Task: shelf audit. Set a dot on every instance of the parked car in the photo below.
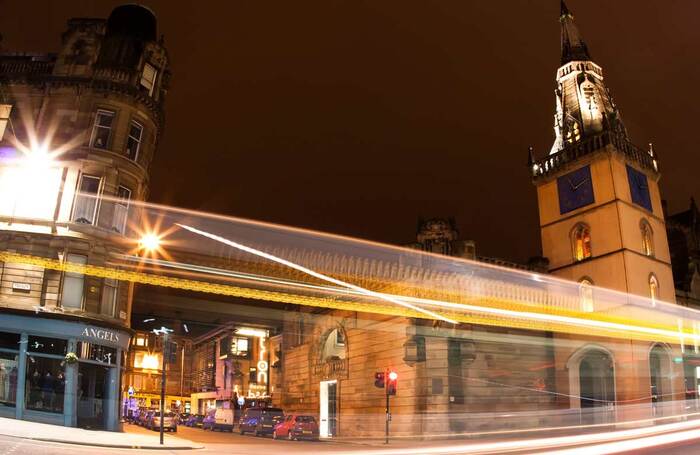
(296, 426)
(259, 421)
(195, 420)
(208, 421)
(169, 421)
(144, 416)
(182, 418)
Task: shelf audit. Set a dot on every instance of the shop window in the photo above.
(9, 341)
(9, 362)
(108, 304)
(121, 209)
(43, 345)
(581, 240)
(102, 129)
(97, 353)
(133, 142)
(46, 382)
(86, 200)
(148, 77)
(73, 284)
(647, 238)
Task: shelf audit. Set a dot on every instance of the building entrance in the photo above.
(597, 386)
(92, 396)
(329, 409)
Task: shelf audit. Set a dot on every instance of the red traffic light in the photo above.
(393, 375)
(379, 380)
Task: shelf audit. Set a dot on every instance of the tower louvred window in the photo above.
(581, 238)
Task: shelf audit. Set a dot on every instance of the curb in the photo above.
(110, 446)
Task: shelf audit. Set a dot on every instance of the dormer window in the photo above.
(148, 77)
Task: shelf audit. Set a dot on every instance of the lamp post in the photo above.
(164, 332)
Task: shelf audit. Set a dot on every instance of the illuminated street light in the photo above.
(149, 242)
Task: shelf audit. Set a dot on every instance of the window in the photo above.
(581, 236)
(85, 208)
(141, 340)
(46, 382)
(108, 305)
(148, 77)
(653, 289)
(9, 362)
(102, 130)
(647, 238)
(133, 142)
(586, 294)
(73, 284)
(239, 347)
(121, 209)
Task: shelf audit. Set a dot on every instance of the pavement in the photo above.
(58, 434)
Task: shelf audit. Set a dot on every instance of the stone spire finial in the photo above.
(572, 45)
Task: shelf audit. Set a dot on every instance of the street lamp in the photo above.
(149, 242)
(164, 331)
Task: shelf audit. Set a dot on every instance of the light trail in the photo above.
(569, 320)
(313, 273)
(517, 319)
(595, 443)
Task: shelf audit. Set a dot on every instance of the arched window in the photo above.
(586, 294)
(647, 238)
(653, 288)
(581, 240)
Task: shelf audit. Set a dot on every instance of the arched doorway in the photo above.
(660, 373)
(592, 384)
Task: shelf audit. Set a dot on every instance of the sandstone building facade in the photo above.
(79, 130)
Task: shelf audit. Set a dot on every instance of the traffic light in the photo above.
(379, 379)
(392, 379)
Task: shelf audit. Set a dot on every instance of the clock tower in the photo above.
(600, 210)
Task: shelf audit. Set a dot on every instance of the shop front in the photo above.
(60, 371)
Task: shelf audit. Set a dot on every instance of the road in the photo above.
(234, 444)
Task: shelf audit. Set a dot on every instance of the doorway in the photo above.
(328, 427)
(597, 387)
(92, 396)
(660, 372)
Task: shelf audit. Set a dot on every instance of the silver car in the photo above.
(169, 421)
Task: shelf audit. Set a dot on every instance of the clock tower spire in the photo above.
(602, 224)
(600, 210)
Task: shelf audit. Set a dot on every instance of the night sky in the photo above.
(357, 117)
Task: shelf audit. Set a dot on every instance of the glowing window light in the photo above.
(251, 332)
(147, 361)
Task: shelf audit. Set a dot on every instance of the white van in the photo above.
(223, 420)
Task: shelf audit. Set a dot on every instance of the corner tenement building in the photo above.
(78, 131)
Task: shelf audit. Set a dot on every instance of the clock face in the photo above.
(575, 190)
(639, 187)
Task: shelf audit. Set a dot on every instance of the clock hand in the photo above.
(582, 182)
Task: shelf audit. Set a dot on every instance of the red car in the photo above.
(296, 426)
